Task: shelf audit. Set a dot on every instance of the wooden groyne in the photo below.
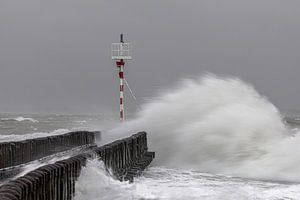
(125, 158)
(292, 121)
(20, 152)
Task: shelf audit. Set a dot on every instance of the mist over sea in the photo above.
(214, 138)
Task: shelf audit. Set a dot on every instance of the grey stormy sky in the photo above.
(55, 55)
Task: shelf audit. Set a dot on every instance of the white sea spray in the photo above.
(217, 125)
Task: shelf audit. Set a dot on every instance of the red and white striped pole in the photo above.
(120, 65)
(120, 52)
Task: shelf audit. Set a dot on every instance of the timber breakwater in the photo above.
(124, 159)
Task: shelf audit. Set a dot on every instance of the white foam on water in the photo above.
(94, 183)
(217, 125)
(39, 163)
(20, 119)
(163, 183)
(15, 137)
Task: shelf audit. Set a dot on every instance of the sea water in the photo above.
(214, 138)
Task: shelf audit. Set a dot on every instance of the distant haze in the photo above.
(55, 55)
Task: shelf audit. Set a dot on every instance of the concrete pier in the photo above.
(125, 158)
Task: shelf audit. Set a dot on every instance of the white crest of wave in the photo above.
(38, 163)
(94, 183)
(20, 119)
(218, 125)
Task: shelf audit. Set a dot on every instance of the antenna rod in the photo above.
(121, 38)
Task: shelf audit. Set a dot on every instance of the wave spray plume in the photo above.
(218, 125)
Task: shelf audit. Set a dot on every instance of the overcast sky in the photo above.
(55, 55)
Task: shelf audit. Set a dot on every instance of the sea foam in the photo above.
(217, 125)
(20, 119)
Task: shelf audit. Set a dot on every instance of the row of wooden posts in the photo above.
(20, 152)
(125, 158)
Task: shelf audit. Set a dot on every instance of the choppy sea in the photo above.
(215, 138)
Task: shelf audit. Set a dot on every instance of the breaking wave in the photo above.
(218, 125)
(103, 186)
(20, 119)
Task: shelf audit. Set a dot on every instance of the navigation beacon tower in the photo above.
(120, 52)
